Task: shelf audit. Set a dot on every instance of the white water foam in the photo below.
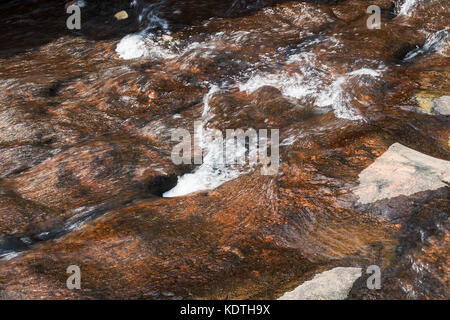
(337, 97)
(149, 45)
(334, 284)
(312, 82)
(297, 85)
(150, 15)
(209, 175)
(139, 46)
(438, 42)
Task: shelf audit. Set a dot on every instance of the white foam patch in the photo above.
(406, 8)
(336, 97)
(132, 47)
(366, 72)
(401, 171)
(334, 284)
(312, 82)
(10, 255)
(149, 45)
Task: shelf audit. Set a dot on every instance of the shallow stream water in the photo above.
(86, 124)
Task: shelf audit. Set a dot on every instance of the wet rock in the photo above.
(334, 284)
(179, 245)
(425, 100)
(419, 268)
(131, 47)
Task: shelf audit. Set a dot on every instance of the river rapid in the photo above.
(86, 124)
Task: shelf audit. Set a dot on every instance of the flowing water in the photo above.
(87, 117)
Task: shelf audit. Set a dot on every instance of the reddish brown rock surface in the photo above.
(85, 143)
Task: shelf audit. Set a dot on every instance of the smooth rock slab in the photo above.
(334, 284)
(401, 171)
